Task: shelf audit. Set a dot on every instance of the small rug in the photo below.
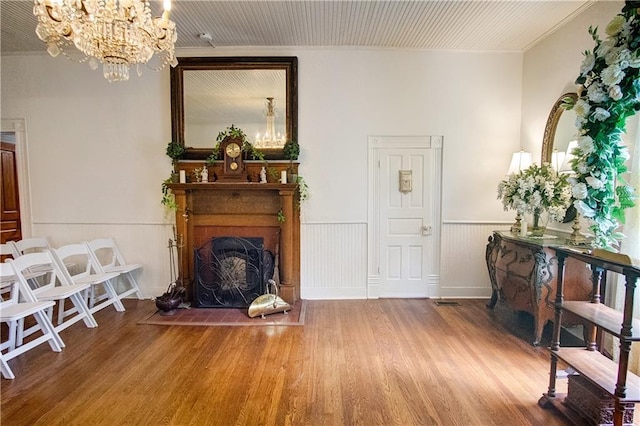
(225, 317)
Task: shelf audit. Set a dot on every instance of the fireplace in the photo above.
(244, 210)
(230, 272)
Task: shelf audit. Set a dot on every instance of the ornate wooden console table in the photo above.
(524, 271)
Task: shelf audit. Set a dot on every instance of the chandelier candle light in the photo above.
(117, 33)
(270, 139)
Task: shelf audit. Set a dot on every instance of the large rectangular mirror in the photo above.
(256, 94)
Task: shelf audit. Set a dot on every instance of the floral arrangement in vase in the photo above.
(538, 190)
(609, 94)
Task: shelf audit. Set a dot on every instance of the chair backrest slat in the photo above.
(31, 245)
(38, 261)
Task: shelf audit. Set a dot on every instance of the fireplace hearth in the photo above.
(230, 272)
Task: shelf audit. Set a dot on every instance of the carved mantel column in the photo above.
(286, 244)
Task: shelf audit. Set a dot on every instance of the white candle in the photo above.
(183, 176)
(523, 228)
(283, 176)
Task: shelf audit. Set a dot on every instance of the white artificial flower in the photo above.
(612, 75)
(626, 29)
(596, 93)
(587, 64)
(580, 121)
(536, 199)
(594, 182)
(605, 47)
(601, 114)
(634, 60)
(624, 153)
(615, 92)
(583, 209)
(582, 108)
(611, 57)
(556, 213)
(581, 167)
(615, 26)
(586, 144)
(624, 57)
(579, 191)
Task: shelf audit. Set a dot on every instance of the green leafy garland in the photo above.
(609, 94)
(236, 133)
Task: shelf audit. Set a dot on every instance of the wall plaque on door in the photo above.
(405, 181)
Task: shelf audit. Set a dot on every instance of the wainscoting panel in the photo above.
(333, 262)
(139, 243)
(464, 269)
(333, 256)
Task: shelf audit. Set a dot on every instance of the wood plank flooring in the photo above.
(354, 362)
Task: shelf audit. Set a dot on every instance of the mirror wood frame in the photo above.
(185, 64)
(552, 125)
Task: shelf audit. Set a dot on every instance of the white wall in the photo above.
(96, 150)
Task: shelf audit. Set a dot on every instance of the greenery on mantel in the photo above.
(291, 151)
(609, 94)
(251, 152)
(175, 151)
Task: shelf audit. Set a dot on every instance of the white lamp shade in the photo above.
(565, 167)
(520, 161)
(557, 160)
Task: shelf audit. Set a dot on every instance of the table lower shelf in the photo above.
(600, 370)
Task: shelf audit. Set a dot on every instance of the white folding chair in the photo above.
(31, 245)
(85, 270)
(7, 251)
(108, 258)
(12, 310)
(48, 290)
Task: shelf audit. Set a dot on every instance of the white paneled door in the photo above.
(404, 220)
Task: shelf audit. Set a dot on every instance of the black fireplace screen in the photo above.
(229, 272)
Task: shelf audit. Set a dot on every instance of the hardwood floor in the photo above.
(354, 362)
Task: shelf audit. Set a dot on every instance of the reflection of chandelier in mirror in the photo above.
(270, 139)
(117, 33)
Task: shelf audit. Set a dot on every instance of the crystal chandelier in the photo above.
(117, 33)
(270, 139)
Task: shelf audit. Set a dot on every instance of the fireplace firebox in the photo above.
(230, 272)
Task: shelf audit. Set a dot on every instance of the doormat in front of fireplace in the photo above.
(225, 317)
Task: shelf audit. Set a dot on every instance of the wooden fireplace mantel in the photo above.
(240, 209)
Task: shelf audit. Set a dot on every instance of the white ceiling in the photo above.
(487, 25)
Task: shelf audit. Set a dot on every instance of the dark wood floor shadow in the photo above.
(522, 325)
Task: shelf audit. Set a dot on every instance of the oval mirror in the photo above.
(560, 129)
(255, 94)
(558, 132)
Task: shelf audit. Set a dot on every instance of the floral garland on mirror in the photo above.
(609, 94)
